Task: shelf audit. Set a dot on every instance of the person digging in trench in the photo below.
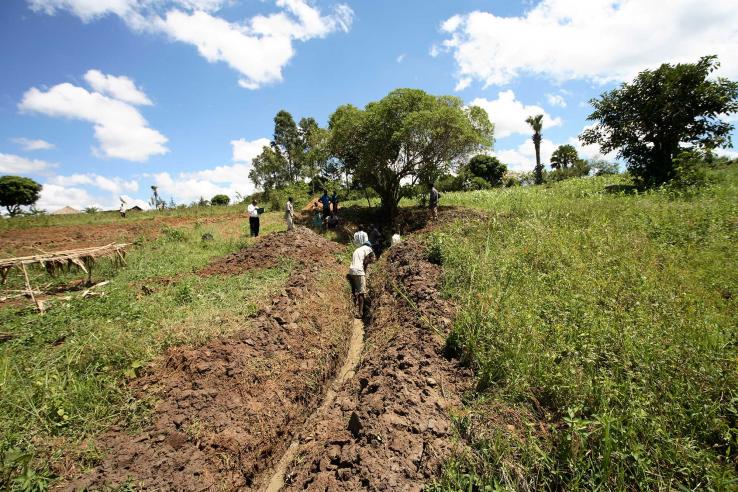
(360, 260)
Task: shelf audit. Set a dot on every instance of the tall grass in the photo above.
(63, 375)
(603, 329)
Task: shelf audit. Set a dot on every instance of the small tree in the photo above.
(407, 137)
(488, 168)
(536, 123)
(564, 156)
(91, 210)
(661, 113)
(202, 202)
(16, 192)
(220, 200)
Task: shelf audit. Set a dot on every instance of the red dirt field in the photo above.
(34, 240)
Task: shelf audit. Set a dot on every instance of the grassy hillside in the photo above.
(603, 327)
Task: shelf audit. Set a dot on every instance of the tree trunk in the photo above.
(539, 168)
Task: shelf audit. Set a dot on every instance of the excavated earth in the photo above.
(390, 426)
(225, 412)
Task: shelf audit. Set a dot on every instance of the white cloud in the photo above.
(121, 87)
(190, 186)
(509, 114)
(523, 157)
(245, 150)
(401, 58)
(53, 197)
(729, 153)
(15, 164)
(258, 48)
(29, 145)
(113, 185)
(556, 100)
(598, 40)
(434, 51)
(120, 128)
(590, 151)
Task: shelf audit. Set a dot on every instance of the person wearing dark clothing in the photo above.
(326, 201)
(253, 219)
(334, 201)
(375, 237)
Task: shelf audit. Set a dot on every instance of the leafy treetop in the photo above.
(17, 191)
(661, 113)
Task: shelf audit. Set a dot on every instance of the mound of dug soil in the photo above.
(227, 411)
(389, 428)
(300, 245)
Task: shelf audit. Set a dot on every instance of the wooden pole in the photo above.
(29, 289)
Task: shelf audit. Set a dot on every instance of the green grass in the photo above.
(63, 375)
(602, 328)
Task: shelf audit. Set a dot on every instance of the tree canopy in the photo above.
(407, 137)
(661, 113)
(564, 156)
(16, 192)
(220, 199)
(488, 168)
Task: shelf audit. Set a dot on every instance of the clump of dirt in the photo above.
(227, 411)
(300, 245)
(390, 428)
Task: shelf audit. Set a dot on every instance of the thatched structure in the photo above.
(83, 259)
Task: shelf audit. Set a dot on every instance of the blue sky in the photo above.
(103, 99)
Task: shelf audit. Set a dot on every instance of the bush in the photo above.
(220, 200)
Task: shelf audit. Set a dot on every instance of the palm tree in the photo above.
(536, 122)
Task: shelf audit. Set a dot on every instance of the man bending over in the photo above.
(363, 255)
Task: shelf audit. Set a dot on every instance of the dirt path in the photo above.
(347, 371)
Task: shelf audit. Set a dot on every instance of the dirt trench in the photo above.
(225, 412)
(389, 426)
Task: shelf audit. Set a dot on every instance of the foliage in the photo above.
(577, 169)
(16, 191)
(536, 123)
(601, 167)
(220, 200)
(488, 168)
(91, 210)
(156, 202)
(690, 174)
(564, 156)
(652, 119)
(407, 135)
(600, 365)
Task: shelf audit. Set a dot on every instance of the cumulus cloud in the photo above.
(597, 40)
(120, 128)
(121, 87)
(29, 144)
(113, 185)
(523, 157)
(245, 150)
(15, 164)
(53, 197)
(556, 100)
(509, 114)
(258, 48)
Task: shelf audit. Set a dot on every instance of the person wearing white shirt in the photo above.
(289, 214)
(362, 256)
(253, 218)
(360, 237)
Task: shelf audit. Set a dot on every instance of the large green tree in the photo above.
(661, 113)
(287, 143)
(314, 151)
(564, 156)
(536, 123)
(488, 168)
(268, 170)
(17, 192)
(407, 137)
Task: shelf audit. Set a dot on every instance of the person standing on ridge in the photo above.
(289, 214)
(253, 218)
(326, 201)
(360, 260)
(334, 201)
(433, 201)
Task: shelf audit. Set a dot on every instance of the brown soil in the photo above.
(301, 246)
(18, 242)
(226, 412)
(390, 427)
